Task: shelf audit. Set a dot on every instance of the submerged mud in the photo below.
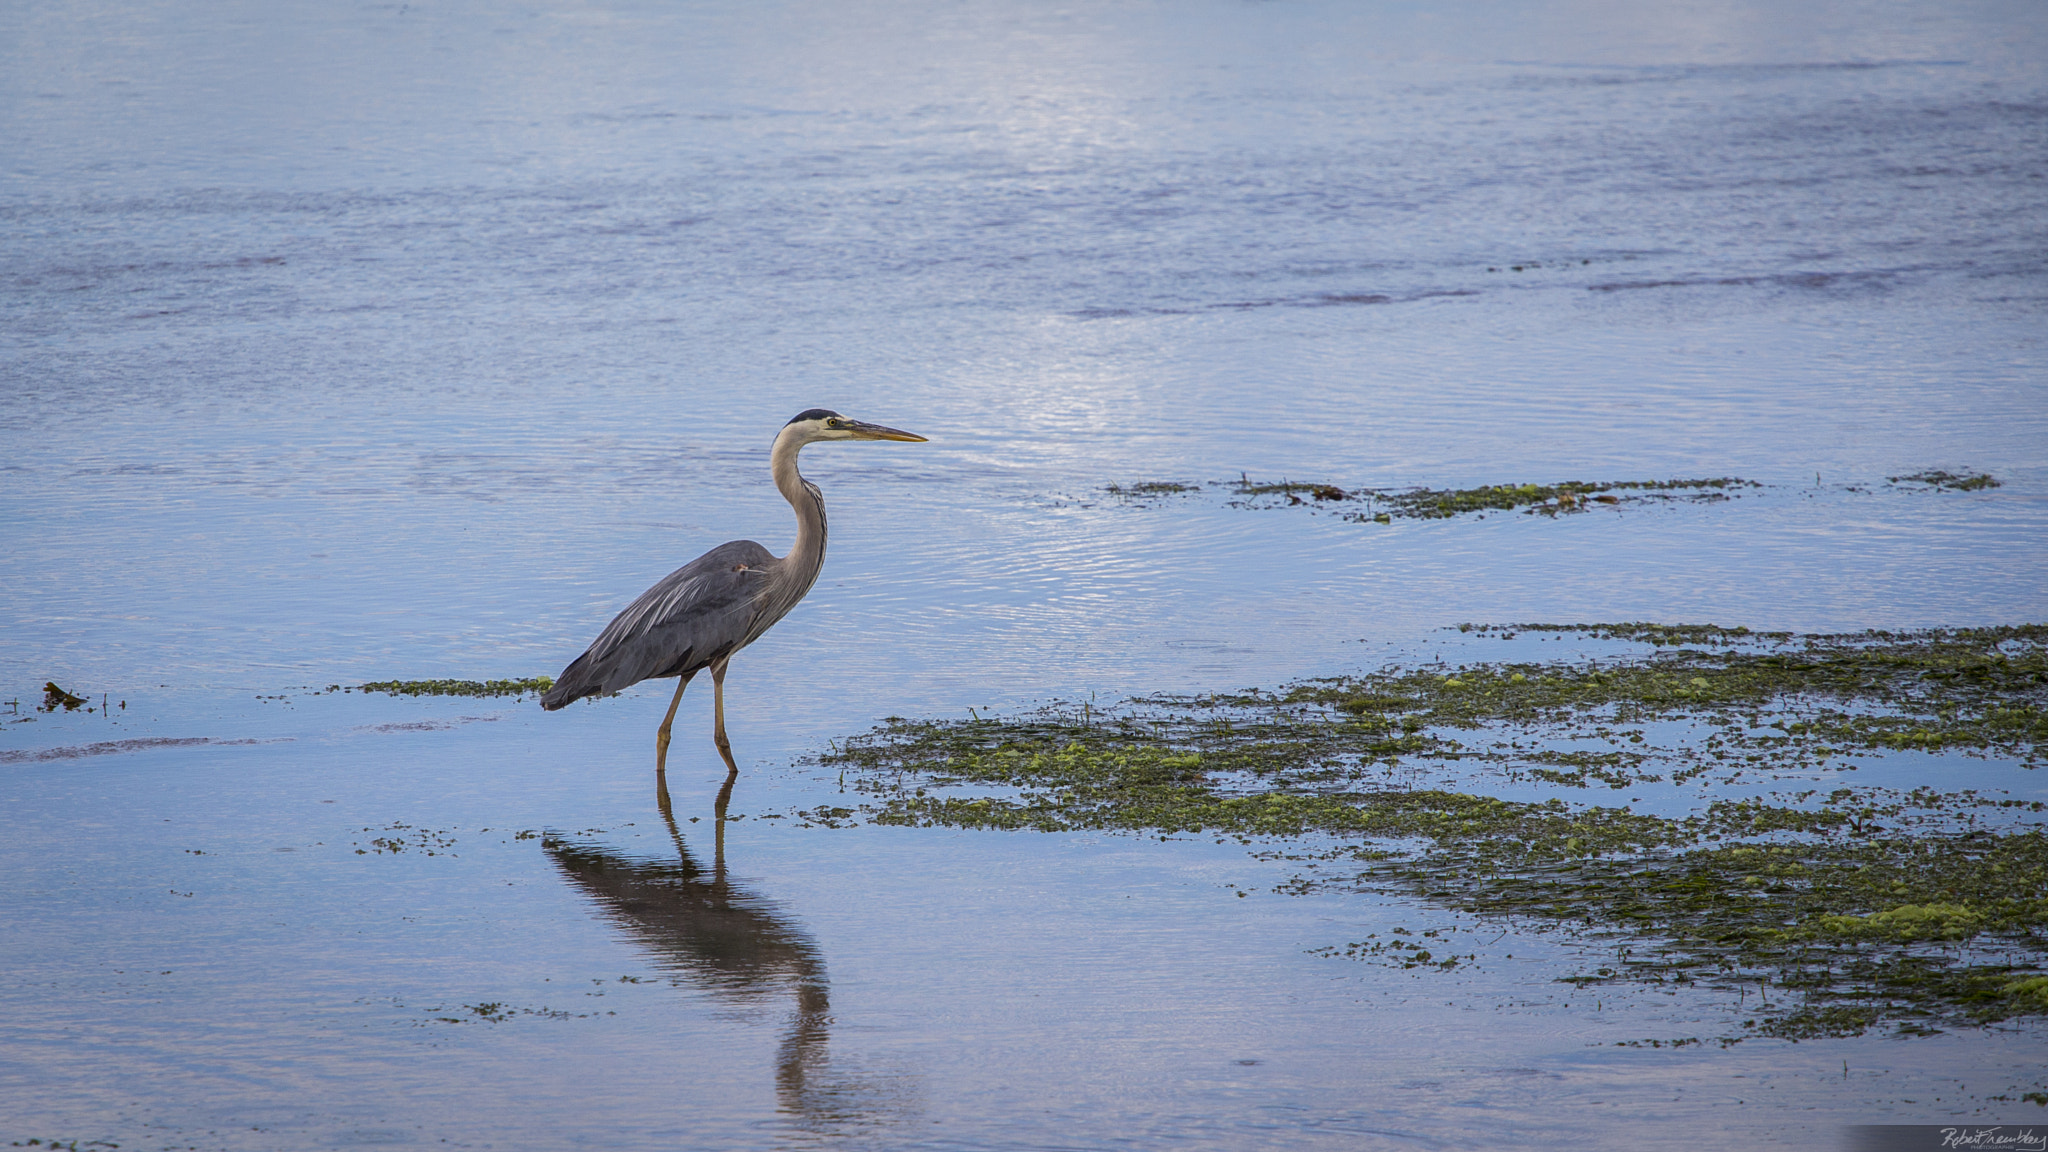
(1862, 906)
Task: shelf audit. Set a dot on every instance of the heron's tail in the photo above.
(575, 682)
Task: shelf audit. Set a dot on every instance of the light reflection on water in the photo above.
(398, 341)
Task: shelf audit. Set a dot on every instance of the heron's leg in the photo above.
(661, 737)
(718, 710)
(732, 768)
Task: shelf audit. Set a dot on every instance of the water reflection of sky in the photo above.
(402, 341)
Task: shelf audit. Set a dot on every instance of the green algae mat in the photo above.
(1565, 497)
(1484, 788)
(537, 685)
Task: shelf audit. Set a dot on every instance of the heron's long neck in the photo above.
(807, 555)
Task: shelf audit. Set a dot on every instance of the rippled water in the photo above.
(342, 343)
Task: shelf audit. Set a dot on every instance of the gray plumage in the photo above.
(698, 616)
(694, 617)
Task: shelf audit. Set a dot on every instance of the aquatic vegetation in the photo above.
(1811, 697)
(1570, 496)
(1913, 930)
(536, 685)
(1870, 905)
(1642, 632)
(1975, 482)
(1382, 506)
(399, 836)
(498, 1012)
(1548, 499)
(1148, 488)
(1295, 491)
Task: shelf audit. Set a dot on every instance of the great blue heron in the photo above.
(697, 616)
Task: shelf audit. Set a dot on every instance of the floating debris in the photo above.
(55, 698)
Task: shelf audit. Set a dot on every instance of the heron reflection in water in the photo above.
(712, 933)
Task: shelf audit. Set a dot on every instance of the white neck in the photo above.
(807, 555)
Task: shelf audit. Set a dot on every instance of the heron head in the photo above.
(825, 424)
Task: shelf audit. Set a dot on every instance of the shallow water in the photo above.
(412, 341)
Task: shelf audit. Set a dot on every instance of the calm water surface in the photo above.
(411, 340)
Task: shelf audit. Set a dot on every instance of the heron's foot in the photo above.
(732, 768)
(661, 752)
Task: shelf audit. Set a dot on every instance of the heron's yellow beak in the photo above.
(864, 431)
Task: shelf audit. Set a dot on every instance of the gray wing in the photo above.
(694, 616)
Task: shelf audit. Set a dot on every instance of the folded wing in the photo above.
(696, 615)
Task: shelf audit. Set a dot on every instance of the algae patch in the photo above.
(1871, 906)
(496, 1011)
(1949, 481)
(1914, 931)
(1383, 506)
(1144, 489)
(536, 685)
(1551, 499)
(1445, 503)
(1564, 497)
(399, 837)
